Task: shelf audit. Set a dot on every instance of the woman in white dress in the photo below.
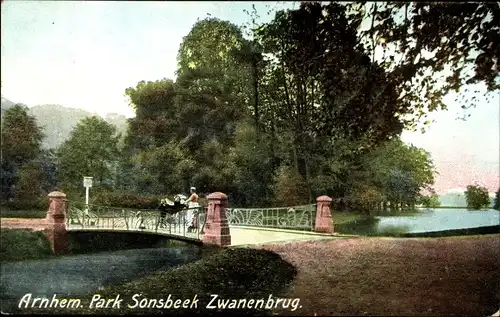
(192, 204)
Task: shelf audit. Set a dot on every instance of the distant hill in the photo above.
(119, 121)
(453, 200)
(58, 121)
(6, 104)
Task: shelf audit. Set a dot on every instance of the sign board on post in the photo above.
(87, 182)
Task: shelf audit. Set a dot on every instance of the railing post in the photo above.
(216, 229)
(324, 222)
(56, 230)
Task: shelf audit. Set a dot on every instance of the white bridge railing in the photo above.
(186, 222)
(298, 217)
(81, 216)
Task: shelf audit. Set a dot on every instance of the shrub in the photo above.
(126, 200)
(290, 188)
(40, 203)
(430, 201)
(477, 197)
(366, 199)
(22, 244)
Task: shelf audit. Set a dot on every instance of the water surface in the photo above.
(430, 220)
(78, 275)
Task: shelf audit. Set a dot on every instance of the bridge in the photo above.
(215, 224)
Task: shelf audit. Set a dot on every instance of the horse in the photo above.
(168, 207)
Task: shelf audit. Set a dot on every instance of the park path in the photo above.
(23, 223)
(455, 276)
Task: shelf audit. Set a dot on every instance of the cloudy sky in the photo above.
(84, 54)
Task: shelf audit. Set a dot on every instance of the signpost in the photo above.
(87, 183)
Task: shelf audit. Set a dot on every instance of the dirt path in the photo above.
(458, 276)
(23, 223)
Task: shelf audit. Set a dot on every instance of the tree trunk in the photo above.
(295, 158)
(255, 86)
(308, 178)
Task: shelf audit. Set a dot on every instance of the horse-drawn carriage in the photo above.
(171, 212)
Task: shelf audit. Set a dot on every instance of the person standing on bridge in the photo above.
(192, 203)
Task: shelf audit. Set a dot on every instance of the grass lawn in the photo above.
(345, 217)
(6, 212)
(18, 245)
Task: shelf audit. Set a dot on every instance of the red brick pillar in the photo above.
(324, 222)
(216, 229)
(56, 231)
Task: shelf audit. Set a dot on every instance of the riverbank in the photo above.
(22, 243)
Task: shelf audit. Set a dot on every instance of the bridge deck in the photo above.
(256, 235)
(239, 235)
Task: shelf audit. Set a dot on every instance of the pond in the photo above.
(430, 220)
(86, 273)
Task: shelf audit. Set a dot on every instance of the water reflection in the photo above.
(431, 220)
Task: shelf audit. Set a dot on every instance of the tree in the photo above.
(91, 150)
(213, 84)
(477, 197)
(21, 136)
(496, 204)
(213, 96)
(290, 187)
(29, 184)
(155, 111)
(319, 86)
(365, 198)
(47, 162)
(149, 132)
(431, 201)
(21, 144)
(214, 48)
(399, 172)
(431, 49)
(250, 164)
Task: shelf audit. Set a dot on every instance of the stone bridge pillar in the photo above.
(216, 229)
(56, 231)
(324, 222)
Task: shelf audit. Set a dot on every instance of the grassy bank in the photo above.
(25, 244)
(230, 273)
(445, 233)
(464, 207)
(20, 244)
(6, 212)
(91, 242)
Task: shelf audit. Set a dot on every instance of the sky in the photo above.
(84, 54)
